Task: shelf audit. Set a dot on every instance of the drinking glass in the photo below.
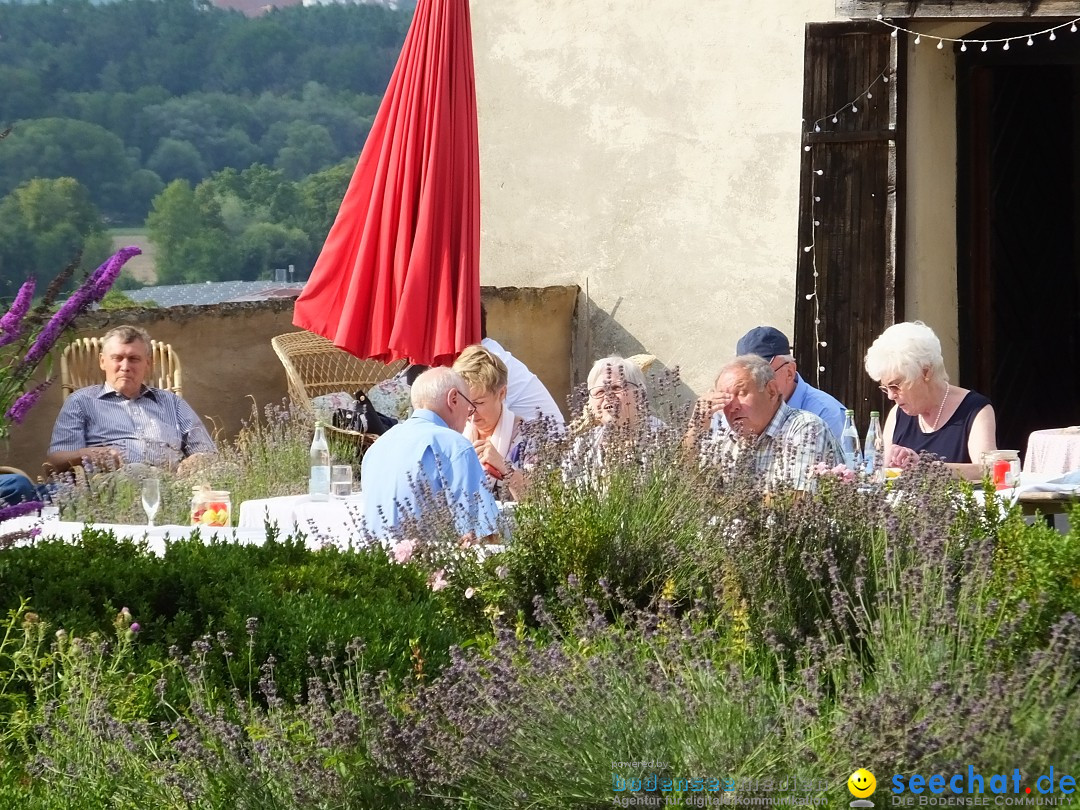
(151, 499)
(341, 480)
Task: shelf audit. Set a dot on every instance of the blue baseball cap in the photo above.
(764, 341)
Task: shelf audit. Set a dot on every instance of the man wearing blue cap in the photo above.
(772, 345)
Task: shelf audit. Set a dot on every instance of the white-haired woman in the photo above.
(930, 415)
(616, 415)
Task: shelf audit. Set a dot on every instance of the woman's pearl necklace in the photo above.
(941, 408)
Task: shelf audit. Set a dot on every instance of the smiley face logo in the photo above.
(861, 783)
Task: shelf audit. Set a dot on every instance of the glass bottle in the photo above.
(874, 449)
(319, 481)
(849, 443)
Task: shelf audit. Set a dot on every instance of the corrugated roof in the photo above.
(213, 292)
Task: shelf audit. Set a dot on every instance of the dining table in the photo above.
(1053, 452)
(335, 521)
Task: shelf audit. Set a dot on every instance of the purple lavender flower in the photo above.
(11, 323)
(102, 279)
(91, 291)
(19, 509)
(18, 410)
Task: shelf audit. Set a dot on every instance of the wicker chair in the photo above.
(314, 366)
(79, 366)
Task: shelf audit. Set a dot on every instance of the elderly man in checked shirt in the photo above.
(782, 444)
(124, 421)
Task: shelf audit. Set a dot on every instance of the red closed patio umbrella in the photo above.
(399, 273)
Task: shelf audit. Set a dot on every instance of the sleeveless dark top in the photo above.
(950, 441)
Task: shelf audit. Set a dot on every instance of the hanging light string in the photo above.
(1029, 39)
(833, 117)
(818, 342)
(853, 105)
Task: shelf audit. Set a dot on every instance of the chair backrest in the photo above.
(79, 366)
(314, 366)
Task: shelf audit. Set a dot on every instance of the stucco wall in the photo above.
(930, 289)
(647, 150)
(228, 362)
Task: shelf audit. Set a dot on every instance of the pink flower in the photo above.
(470, 593)
(135, 628)
(842, 472)
(403, 550)
(437, 581)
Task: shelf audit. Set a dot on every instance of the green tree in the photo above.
(44, 224)
(266, 245)
(192, 245)
(177, 160)
(320, 198)
(308, 148)
(62, 147)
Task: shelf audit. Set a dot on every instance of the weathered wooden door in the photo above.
(849, 281)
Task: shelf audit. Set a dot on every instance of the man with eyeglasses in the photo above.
(772, 345)
(424, 469)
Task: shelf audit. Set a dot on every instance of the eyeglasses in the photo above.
(472, 405)
(785, 363)
(892, 389)
(600, 391)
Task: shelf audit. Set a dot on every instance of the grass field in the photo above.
(141, 267)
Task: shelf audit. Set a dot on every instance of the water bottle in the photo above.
(849, 443)
(319, 482)
(874, 448)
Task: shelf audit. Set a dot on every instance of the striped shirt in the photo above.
(785, 451)
(156, 427)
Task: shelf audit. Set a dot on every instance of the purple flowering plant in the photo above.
(29, 333)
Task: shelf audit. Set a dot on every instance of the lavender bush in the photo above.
(28, 335)
(648, 609)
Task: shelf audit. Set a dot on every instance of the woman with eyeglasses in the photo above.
(494, 429)
(616, 418)
(930, 415)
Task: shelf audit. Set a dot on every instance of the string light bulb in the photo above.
(1073, 28)
(1030, 42)
(1005, 47)
(941, 44)
(918, 38)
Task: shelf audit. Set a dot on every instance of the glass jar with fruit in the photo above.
(210, 507)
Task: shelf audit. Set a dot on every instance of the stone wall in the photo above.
(229, 365)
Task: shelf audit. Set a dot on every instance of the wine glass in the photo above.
(151, 499)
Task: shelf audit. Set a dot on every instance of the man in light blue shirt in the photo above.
(424, 469)
(772, 345)
(125, 421)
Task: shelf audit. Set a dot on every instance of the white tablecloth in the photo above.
(1053, 452)
(336, 521)
(155, 536)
